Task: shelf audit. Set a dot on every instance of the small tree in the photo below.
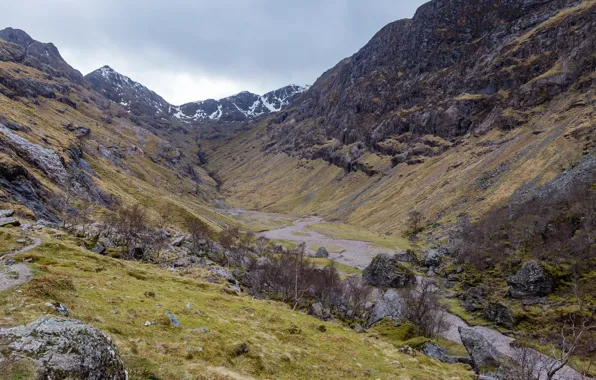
(415, 223)
(198, 230)
(229, 237)
(422, 307)
(262, 243)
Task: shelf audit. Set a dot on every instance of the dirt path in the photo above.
(13, 274)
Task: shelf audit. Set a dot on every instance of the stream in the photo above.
(360, 253)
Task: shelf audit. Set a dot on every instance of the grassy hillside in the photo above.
(472, 177)
(282, 344)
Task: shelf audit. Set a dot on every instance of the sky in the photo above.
(187, 50)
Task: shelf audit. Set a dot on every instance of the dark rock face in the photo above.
(322, 253)
(473, 298)
(530, 281)
(442, 73)
(44, 57)
(483, 353)
(406, 257)
(386, 271)
(61, 348)
(437, 352)
(500, 314)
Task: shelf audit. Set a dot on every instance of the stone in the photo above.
(178, 241)
(222, 273)
(359, 329)
(9, 222)
(241, 349)
(201, 330)
(385, 271)
(484, 355)
(500, 314)
(406, 257)
(99, 248)
(6, 213)
(233, 290)
(173, 320)
(62, 348)
(437, 352)
(387, 305)
(530, 281)
(316, 309)
(473, 298)
(149, 294)
(322, 253)
(432, 258)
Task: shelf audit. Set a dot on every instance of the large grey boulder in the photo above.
(322, 253)
(61, 348)
(6, 213)
(386, 271)
(432, 258)
(9, 222)
(484, 355)
(530, 281)
(388, 304)
(500, 314)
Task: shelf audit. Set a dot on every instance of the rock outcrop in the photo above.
(61, 348)
(484, 355)
(530, 281)
(386, 271)
(500, 314)
(457, 67)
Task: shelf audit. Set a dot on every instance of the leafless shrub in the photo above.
(422, 307)
(199, 231)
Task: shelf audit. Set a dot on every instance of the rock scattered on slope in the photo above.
(530, 281)
(483, 353)
(500, 314)
(61, 348)
(9, 222)
(386, 271)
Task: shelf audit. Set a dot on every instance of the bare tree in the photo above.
(262, 243)
(422, 307)
(198, 230)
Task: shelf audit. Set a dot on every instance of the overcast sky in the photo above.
(188, 50)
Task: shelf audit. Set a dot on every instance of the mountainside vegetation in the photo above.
(455, 150)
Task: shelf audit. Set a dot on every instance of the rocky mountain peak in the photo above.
(16, 36)
(42, 56)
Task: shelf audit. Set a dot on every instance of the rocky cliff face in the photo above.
(42, 56)
(458, 67)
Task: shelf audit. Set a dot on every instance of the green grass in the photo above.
(342, 268)
(349, 232)
(112, 299)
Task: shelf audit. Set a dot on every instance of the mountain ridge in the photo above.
(140, 100)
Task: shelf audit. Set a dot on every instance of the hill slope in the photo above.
(447, 113)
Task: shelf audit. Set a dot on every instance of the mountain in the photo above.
(241, 107)
(43, 56)
(447, 113)
(146, 104)
(456, 68)
(131, 95)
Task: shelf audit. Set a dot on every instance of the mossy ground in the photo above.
(109, 294)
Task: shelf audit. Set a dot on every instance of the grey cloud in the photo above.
(266, 42)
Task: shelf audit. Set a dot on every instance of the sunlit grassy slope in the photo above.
(471, 177)
(282, 344)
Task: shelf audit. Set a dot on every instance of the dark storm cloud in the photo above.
(262, 44)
